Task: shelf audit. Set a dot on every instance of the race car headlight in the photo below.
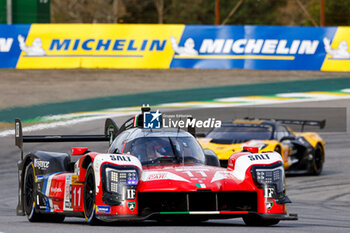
(114, 181)
(117, 179)
(119, 183)
(270, 178)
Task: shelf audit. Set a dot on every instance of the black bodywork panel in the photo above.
(44, 163)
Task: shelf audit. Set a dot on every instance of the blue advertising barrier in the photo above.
(253, 47)
(38, 46)
(9, 45)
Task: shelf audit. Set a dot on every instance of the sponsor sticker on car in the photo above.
(103, 209)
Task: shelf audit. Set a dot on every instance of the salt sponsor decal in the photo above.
(254, 157)
(120, 158)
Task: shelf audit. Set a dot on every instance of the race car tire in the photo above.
(317, 161)
(29, 199)
(258, 221)
(278, 149)
(29, 195)
(90, 196)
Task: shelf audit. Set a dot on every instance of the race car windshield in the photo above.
(166, 150)
(239, 134)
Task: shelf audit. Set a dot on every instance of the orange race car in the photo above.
(301, 152)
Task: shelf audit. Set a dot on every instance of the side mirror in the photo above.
(211, 158)
(287, 138)
(111, 129)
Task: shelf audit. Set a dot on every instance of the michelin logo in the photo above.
(87, 45)
(94, 44)
(34, 50)
(186, 50)
(341, 53)
(253, 46)
(246, 46)
(208, 46)
(5, 44)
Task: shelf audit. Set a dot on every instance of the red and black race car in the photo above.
(148, 174)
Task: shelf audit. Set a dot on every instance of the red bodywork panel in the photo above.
(191, 175)
(65, 191)
(78, 150)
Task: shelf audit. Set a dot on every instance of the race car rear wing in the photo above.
(110, 131)
(320, 124)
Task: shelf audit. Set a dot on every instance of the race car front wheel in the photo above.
(278, 150)
(90, 196)
(316, 164)
(255, 220)
(29, 203)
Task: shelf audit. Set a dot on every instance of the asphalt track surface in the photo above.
(322, 203)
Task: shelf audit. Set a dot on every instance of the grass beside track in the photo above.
(201, 94)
